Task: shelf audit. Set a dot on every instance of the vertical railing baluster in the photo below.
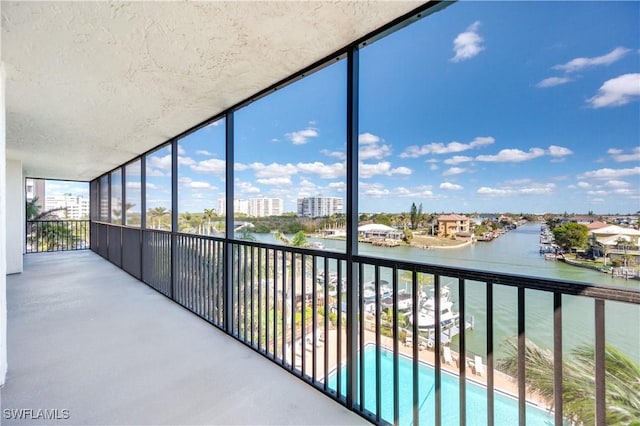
(325, 367)
(557, 358)
(462, 352)
(437, 350)
(416, 346)
(376, 280)
(600, 372)
(522, 395)
(490, 396)
(362, 339)
(314, 318)
(339, 326)
(283, 296)
(396, 360)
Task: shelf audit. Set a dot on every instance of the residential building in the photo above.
(451, 224)
(319, 206)
(254, 207)
(73, 207)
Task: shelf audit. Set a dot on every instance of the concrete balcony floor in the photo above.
(86, 337)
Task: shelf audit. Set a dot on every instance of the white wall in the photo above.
(3, 227)
(15, 213)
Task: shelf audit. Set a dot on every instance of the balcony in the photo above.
(93, 345)
(371, 360)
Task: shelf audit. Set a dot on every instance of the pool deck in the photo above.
(97, 347)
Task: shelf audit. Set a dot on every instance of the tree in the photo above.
(571, 235)
(413, 216)
(622, 381)
(46, 235)
(158, 213)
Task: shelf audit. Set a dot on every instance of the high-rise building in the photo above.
(255, 207)
(73, 206)
(319, 206)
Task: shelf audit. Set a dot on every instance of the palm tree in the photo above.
(208, 216)
(157, 213)
(45, 235)
(622, 381)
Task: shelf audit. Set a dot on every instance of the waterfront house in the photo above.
(451, 224)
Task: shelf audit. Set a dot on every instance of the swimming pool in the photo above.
(505, 407)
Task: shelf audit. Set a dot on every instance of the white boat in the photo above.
(369, 291)
(426, 313)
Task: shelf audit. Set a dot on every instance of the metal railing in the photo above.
(374, 349)
(57, 235)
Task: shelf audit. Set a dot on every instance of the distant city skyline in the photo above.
(482, 107)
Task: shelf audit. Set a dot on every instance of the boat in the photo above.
(426, 312)
(369, 291)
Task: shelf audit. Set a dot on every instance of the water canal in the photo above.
(517, 252)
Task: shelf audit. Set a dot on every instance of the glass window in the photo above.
(158, 188)
(201, 180)
(104, 198)
(133, 193)
(116, 196)
(290, 165)
(473, 116)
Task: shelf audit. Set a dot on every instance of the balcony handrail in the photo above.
(272, 298)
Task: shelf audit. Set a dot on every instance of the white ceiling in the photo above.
(90, 85)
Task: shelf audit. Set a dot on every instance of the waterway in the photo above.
(517, 252)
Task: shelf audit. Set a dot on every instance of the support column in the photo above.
(15, 216)
(3, 228)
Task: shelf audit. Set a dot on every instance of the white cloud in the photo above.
(558, 151)
(607, 173)
(204, 152)
(212, 165)
(581, 63)
(512, 156)
(368, 138)
(401, 171)
(338, 186)
(340, 155)
(186, 161)
(273, 170)
(618, 184)
(246, 188)
(154, 172)
(163, 163)
(374, 190)
(434, 167)
(415, 151)
(325, 171)
(454, 171)
(375, 151)
(458, 159)
(450, 186)
(134, 185)
(275, 181)
(584, 184)
(553, 81)
(617, 155)
(533, 189)
(200, 185)
(301, 137)
(381, 168)
(467, 44)
(617, 91)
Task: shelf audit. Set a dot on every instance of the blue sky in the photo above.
(482, 107)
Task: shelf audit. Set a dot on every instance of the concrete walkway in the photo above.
(90, 344)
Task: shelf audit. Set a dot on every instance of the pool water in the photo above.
(505, 407)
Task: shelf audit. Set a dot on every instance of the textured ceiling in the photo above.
(90, 85)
